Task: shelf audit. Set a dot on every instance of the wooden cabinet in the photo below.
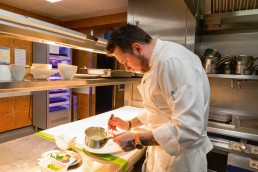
(15, 112)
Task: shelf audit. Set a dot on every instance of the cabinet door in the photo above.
(165, 19)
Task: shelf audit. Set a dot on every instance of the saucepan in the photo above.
(96, 137)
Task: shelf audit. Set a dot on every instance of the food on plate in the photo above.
(51, 164)
(61, 156)
(67, 157)
(53, 167)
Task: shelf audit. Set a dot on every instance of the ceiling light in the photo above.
(53, 1)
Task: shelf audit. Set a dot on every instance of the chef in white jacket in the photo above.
(176, 96)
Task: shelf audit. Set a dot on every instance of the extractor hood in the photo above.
(228, 14)
(26, 28)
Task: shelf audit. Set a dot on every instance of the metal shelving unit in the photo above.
(38, 85)
(241, 77)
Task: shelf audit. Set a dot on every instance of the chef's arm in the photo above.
(147, 139)
(134, 123)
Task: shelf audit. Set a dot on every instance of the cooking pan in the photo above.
(244, 64)
(96, 137)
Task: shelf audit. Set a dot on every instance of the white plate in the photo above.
(71, 153)
(110, 147)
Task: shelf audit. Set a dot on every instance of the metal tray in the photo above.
(108, 73)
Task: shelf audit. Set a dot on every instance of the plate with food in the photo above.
(68, 157)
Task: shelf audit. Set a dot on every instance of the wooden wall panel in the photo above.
(26, 45)
(11, 43)
(97, 22)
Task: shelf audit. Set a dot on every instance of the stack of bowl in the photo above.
(67, 71)
(42, 71)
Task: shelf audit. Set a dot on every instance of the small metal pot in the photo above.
(244, 65)
(96, 137)
(210, 64)
(209, 52)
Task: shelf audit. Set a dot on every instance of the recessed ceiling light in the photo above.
(53, 1)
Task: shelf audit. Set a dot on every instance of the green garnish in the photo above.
(53, 167)
(57, 157)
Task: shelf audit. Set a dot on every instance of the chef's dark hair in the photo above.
(124, 37)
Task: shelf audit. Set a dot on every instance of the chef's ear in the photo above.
(137, 48)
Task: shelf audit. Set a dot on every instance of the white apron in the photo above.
(192, 159)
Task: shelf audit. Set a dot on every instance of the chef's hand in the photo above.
(125, 141)
(114, 122)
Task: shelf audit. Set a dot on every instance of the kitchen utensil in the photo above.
(96, 137)
(42, 73)
(65, 142)
(5, 73)
(244, 64)
(66, 71)
(226, 65)
(49, 164)
(109, 148)
(18, 71)
(107, 73)
(211, 53)
(210, 65)
(41, 66)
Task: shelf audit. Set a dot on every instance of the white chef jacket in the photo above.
(176, 96)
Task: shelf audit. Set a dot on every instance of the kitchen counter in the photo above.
(22, 154)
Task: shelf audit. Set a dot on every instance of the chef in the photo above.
(176, 99)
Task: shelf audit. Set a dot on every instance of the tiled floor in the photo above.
(16, 133)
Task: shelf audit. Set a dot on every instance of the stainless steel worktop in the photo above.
(23, 154)
(36, 85)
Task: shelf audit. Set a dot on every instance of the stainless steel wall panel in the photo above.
(242, 101)
(164, 19)
(231, 43)
(190, 31)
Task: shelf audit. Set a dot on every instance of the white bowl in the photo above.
(41, 66)
(5, 73)
(62, 64)
(65, 142)
(44, 165)
(67, 72)
(42, 73)
(18, 71)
